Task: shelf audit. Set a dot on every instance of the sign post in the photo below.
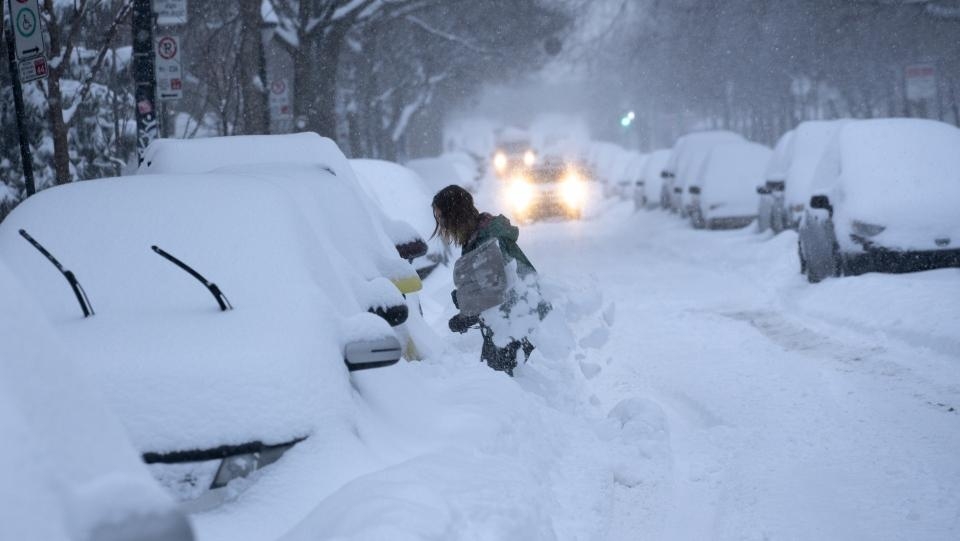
(25, 52)
(144, 76)
(920, 82)
(169, 73)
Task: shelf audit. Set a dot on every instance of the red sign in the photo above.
(167, 48)
(32, 69)
(145, 107)
(278, 87)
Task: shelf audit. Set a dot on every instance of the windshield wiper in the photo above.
(211, 287)
(74, 284)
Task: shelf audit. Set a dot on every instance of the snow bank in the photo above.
(729, 178)
(68, 468)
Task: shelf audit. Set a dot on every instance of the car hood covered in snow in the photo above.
(179, 372)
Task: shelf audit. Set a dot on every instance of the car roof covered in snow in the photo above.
(903, 172)
(181, 373)
(334, 201)
(806, 148)
(779, 165)
(400, 192)
(66, 464)
(730, 175)
(697, 140)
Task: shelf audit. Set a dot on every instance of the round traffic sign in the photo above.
(167, 48)
(278, 87)
(26, 22)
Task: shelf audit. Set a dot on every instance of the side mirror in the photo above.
(394, 315)
(695, 190)
(413, 249)
(376, 353)
(678, 189)
(763, 190)
(821, 202)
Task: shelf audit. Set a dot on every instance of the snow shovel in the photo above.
(481, 279)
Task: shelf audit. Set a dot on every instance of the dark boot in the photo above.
(501, 359)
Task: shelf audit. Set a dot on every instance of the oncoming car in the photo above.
(884, 199)
(514, 152)
(219, 327)
(552, 188)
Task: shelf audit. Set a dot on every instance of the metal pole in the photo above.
(26, 157)
(144, 76)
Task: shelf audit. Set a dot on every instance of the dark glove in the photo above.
(453, 295)
(461, 323)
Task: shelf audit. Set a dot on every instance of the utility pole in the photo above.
(144, 76)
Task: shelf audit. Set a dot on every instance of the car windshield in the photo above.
(515, 147)
(547, 174)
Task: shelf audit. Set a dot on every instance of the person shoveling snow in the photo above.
(496, 283)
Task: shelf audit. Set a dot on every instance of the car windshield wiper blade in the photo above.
(211, 287)
(71, 278)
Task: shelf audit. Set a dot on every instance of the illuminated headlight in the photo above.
(573, 190)
(864, 229)
(529, 158)
(521, 193)
(500, 162)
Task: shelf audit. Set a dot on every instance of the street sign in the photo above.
(32, 69)
(169, 72)
(921, 82)
(26, 23)
(281, 107)
(170, 12)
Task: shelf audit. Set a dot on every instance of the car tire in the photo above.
(803, 261)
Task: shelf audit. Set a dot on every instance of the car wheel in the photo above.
(803, 261)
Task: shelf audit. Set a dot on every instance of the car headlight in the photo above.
(864, 229)
(521, 193)
(529, 158)
(500, 162)
(573, 190)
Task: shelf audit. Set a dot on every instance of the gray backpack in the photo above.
(481, 279)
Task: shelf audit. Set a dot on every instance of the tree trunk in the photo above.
(322, 116)
(255, 116)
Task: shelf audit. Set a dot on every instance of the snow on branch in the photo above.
(423, 25)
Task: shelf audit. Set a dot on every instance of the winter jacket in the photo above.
(499, 227)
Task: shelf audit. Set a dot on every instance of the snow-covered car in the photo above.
(221, 327)
(553, 188)
(724, 197)
(884, 199)
(630, 175)
(314, 171)
(771, 213)
(686, 159)
(441, 171)
(647, 192)
(68, 470)
(402, 195)
(804, 153)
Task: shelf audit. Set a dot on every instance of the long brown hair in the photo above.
(455, 215)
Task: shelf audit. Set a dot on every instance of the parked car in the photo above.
(805, 151)
(219, 325)
(553, 188)
(647, 193)
(771, 213)
(724, 195)
(316, 174)
(402, 195)
(884, 199)
(630, 175)
(685, 160)
(69, 472)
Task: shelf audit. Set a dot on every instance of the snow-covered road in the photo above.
(689, 385)
(782, 410)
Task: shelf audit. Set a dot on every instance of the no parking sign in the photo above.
(169, 72)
